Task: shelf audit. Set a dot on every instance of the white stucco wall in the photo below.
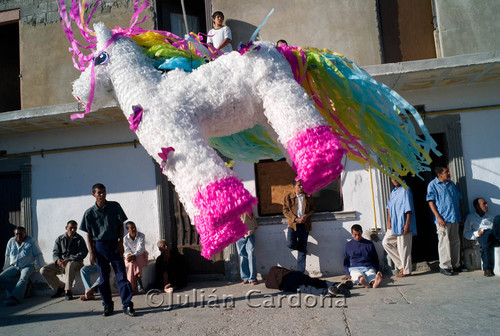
(479, 131)
(482, 156)
(62, 183)
(327, 238)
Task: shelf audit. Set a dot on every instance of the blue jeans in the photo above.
(14, 281)
(248, 269)
(487, 241)
(297, 240)
(106, 254)
(86, 272)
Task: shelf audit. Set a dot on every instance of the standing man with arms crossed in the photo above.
(444, 200)
(401, 227)
(103, 223)
(298, 209)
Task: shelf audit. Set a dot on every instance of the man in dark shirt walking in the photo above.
(103, 223)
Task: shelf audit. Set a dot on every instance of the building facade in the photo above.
(442, 56)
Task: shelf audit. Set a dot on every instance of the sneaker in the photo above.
(140, 288)
(58, 293)
(68, 296)
(445, 271)
(108, 310)
(344, 290)
(349, 284)
(333, 290)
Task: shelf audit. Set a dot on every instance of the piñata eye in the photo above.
(101, 59)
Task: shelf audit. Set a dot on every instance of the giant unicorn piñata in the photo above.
(307, 105)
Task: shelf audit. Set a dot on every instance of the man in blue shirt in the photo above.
(103, 223)
(444, 200)
(401, 227)
(361, 260)
(20, 256)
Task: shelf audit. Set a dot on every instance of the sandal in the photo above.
(87, 297)
(401, 275)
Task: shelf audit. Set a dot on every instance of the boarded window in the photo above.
(274, 180)
(407, 30)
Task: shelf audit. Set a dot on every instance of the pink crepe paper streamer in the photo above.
(221, 205)
(215, 240)
(316, 154)
(222, 200)
(164, 156)
(243, 48)
(136, 118)
(82, 61)
(293, 61)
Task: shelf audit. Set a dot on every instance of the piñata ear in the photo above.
(103, 35)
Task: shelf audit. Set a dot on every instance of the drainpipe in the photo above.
(374, 234)
(437, 41)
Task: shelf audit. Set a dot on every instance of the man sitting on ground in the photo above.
(482, 227)
(69, 251)
(361, 260)
(136, 257)
(20, 256)
(170, 269)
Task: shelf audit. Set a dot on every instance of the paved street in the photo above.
(424, 304)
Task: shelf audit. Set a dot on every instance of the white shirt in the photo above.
(217, 36)
(474, 223)
(300, 207)
(23, 255)
(134, 246)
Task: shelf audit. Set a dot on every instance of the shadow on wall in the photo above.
(7, 232)
(241, 31)
(327, 248)
(325, 257)
(484, 189)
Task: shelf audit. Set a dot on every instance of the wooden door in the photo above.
(176, 229)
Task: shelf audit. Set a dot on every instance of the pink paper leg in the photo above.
(316, 154)
(215, 240)
(221, 205)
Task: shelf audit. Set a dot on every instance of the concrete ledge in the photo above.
(317, 217)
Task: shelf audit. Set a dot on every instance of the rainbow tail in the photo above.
(371, 120)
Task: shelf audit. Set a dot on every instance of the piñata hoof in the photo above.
(316, 154)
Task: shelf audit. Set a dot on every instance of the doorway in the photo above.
(425, 242)
(176, 229)
(10, 208)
